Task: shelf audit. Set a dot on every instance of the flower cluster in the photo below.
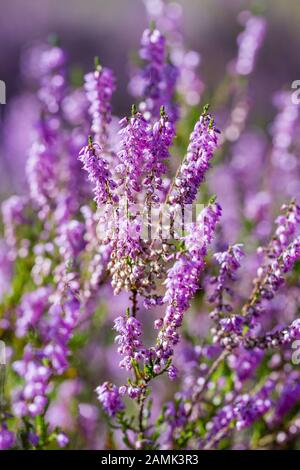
(109, 396)
(130, 330)
(249, 41)
(183, 278)
(203, 143)
(99, 86)
(156, 81)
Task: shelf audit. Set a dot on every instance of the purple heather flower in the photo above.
(175, 416)
(109, 397)
(203, 143)
(32, 400)
(134, 392)
(98, 172)
(233, 324)
(183, 278)
(52, 81)
(229, 261)
(42, 59)
(33, 438)
(284, 159)
(153, 47)
(32, 306)
(168, 18)
(244, 410)
(99, 86)
(161, 139)
(284, 336)
(134, 153)
(75, 109)
(41, 175)
(62, 440)
(287, 224)
(130, 330)
(156, 81)
(71, 239)
(249, 42)
(13, 215)
(249, 408)
(274, 276)
(7, 438)
(289, 395)
(55, 331)
(189, 85)
(245, 362)
(281, 258)
(63, 318)
(172, 372)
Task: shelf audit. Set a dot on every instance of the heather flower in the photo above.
(75, 111)
(32, 400)
(203, 143)
(133, 154)
(281, 258)
(172, 372)
(249, 409)
(153, 47)
(13, 215)
(99, 86)
(63, 318)
(249, 42)
(229, 261)
(155, 83)
(33, 438)
(109, 396)
(71, 239)
(168, 18)
(284, 159)
(274, 279)
(32, 307)
(287, 224)
(52, 82)
(175, 417)
(7, 438)
(134, 392)
(282, 337)
(161, 138)
(183, 278)
(245, 362)
(130, 330)
(41, 176)
(62, 440)
(98, 172)
(289, 396)
(244, 410)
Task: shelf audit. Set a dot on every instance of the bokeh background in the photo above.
(113, 29)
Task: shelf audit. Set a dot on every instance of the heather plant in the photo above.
(149, 293)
